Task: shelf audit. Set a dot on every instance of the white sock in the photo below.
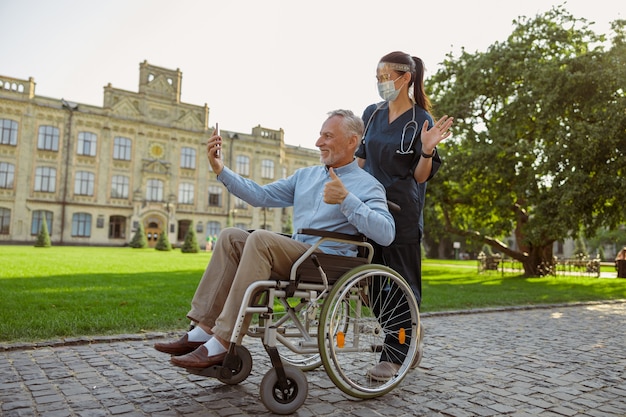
(214, 347)
(198, 335)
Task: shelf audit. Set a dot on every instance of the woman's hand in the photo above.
(433, 136)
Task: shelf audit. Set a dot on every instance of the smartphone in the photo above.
(217, 131)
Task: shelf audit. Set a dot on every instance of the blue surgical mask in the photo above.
(387, 90)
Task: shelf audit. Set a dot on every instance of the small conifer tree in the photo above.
(140, 240)
(163, 243)
(190, 245)
(43, 238)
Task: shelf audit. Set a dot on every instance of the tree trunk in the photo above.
(539, 262)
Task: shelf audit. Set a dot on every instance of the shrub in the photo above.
(43, 238)
(163, 243)
(140, 240)
(191, 241)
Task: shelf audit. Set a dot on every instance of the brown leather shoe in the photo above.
(180, 347)
(198, 359)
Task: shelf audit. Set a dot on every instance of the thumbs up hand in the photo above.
(334, 191)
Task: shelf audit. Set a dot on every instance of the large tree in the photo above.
(539, 137)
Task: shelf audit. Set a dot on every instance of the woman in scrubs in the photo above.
(399, 149)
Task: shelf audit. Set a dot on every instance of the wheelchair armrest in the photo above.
(332, 235)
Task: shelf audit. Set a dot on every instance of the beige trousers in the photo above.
(239, 259)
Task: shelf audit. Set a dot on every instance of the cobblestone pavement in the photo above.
(551, 361)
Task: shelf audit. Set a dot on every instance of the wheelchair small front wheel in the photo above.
(284, 400)
(241, 371)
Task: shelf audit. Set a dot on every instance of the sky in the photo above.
(275, 63)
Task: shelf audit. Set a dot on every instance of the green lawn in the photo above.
(50, 293)
(462, 287)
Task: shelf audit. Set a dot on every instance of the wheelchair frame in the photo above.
(349, 313)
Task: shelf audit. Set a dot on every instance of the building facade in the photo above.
(94, 174)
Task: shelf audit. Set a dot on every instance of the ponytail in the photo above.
(419, 94)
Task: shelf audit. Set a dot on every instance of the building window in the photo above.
(154, 190)
(45, 179)
(87, 144)
(121, 148)
(81, 225)
(215, 196)
(7, 175)
(48, 138)
(242, 165)
(5, 220)
(183, 227)
(84, 183)
(38, 217)
(117, 227)
(267, 169)
(213, 228)
(185, 193)
(8, 132)
(188, 158)
(119, 186)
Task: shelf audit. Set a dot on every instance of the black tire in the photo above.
(279, 402)
(243, 369)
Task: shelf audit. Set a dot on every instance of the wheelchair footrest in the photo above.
(221, 372)
(212, 371)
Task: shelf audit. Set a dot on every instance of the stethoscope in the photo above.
(412, 124)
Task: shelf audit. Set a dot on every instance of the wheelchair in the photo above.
(342, 313)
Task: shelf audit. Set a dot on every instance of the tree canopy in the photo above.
(539, 137)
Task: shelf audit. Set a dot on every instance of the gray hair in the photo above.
(352, 124)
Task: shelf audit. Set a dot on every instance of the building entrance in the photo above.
(153, 230)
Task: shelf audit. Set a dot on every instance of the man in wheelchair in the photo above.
(336, 196)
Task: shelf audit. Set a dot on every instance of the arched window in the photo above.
(183, 227)
(154, 190)
(215, 196)
(5, 221)
(242, 165)
(267, 169)
(45, 179)
(81, 225)
(188, 158)
(38, 218)
(8, 132)
(84, 183)
(213, 228)
(7, 175)
(48, 139)
(117, 227)
(119, 186)
(121, 148)
(86, 143)
(185, 193)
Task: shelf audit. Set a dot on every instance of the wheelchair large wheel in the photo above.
(379, 311)
(297, 327)
(288, 400)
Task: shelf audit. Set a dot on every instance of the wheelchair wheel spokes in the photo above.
(297, 337)
(370, 315)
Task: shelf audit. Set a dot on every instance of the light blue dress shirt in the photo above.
(364, 210)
